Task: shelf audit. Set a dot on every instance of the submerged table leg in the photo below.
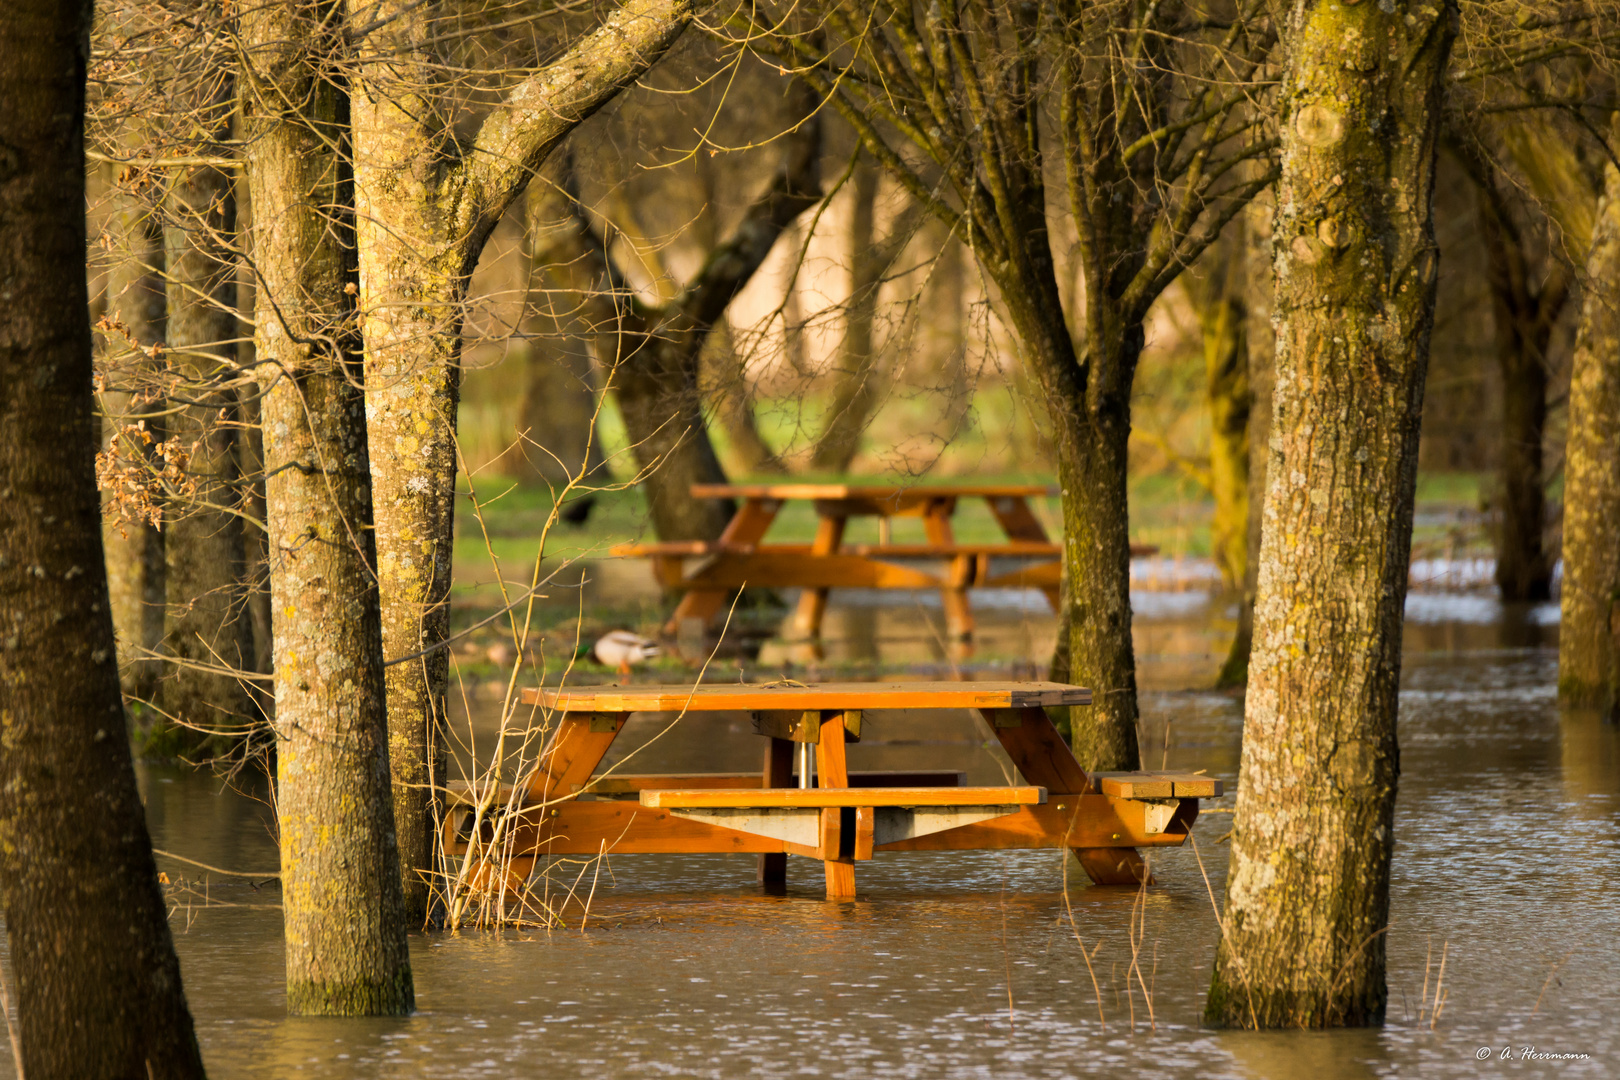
(1019, 522)
(954, 597)
(753, 520)
(778, 773)
(834, 773)
(1113, 865)
(812, 607)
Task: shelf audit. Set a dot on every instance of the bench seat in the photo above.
(772, 798)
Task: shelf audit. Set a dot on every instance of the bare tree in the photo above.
(98, 983)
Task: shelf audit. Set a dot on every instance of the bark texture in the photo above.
(135, 560)
(426, 203)
(1589, 630)
(1307, 899)
(208, 629)
(340, 875)
(98, 983)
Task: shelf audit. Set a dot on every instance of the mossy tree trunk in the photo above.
(1257, 348)
(427, 201)
(1307, 897)
(97, 980)
(1217, 291)
(135, 313)
(209, 630)
(344, 909)
(1589, 631)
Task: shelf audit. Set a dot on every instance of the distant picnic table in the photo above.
(805, 801)
(708, 571)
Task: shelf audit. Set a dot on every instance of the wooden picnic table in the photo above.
(709, 571)
(805, 801)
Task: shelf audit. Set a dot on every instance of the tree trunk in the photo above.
(344, 908)
(1091, 433)
(98, 983)
(735, 405)
(1092, 469)
(1589, 633)
(855, 369)
(1223, 323)
(135, 561)
(208, 626)
(558, 441)
(1307, 898)
(425, 208)
(1525, 306)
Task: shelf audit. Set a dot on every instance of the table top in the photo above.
(869, 491)
(791, 696)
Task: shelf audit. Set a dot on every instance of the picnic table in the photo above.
(805, 801)
(708, 571)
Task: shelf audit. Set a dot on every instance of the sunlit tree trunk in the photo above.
(426, 205)
(1307, 897)
(98, 984)
(1218, 293)
(1589, 631)
(135, 561)
(208, 625)
(344, 910)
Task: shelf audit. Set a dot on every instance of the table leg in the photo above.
(806, 623)
(574, 752)
(833, 771)
(1019, 522)
(958, 611)
(753, 520)
(778, 773)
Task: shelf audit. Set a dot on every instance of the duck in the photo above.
(620, 649)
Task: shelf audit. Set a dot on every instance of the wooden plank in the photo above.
(627, 828)
(574, 752)
(1159, 785)
(692, 549)
(843, 795)
(865, 822)
(1037, 749)
(866, 491)
(635, 783)
(734, 569)
(1016, 519)
(749, 697)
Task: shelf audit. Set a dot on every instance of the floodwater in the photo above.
(967, 965)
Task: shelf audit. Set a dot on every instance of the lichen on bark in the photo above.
(1307, 899)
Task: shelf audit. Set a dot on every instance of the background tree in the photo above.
(427, 199)
(344, 908)
(650, 347)
(1589, 630)
(1307, 896)
(1150, 133)
(98, 983)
